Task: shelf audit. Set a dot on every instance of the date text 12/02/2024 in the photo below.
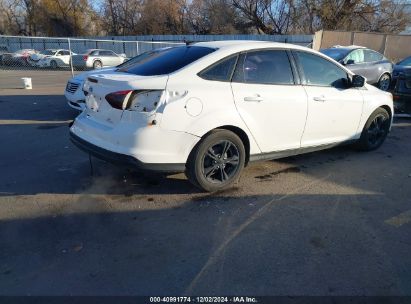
(239, 299)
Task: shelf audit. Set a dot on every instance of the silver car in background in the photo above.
(74, 88)
(365, 62)
(97, 58)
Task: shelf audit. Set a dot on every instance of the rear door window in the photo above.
(264, 67)
(168, 60)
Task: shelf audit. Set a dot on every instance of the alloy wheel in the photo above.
(377, 130)
(221, 162)
(384, 83)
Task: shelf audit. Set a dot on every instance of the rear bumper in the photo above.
(123, 159)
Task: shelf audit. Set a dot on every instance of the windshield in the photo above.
(47, 52)
(334, 53)
(167, 61)
(405, 62)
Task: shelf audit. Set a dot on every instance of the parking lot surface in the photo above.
(336, 222)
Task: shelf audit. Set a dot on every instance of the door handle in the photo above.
(320, 98)
(255, 98)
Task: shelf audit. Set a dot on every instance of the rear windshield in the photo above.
(167, 61)
(138, 59)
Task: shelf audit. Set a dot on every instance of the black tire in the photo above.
(384, 83)
(375, 130)
(222, 154)
(97, 64)
(53, 64)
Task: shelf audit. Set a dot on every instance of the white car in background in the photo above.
(51, 58)
(74, 88)
(211, 108)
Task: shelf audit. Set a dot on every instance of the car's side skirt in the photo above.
(292, 152)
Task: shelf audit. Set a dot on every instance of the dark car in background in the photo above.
(18, 58)
(400, 67)
(402, 91)
(365, 62)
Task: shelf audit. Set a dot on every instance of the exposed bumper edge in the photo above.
(122, 159)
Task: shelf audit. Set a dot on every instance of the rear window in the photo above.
(220, 71)
(168, 61)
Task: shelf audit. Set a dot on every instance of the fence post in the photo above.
(137, 47)
(70, 60)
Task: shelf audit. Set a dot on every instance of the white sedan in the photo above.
(211, 108)
(51, 58)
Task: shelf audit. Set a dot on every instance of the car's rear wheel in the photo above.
(53, 64)
(217, 161)
(97, 64)
(375, 130)
(384, 82)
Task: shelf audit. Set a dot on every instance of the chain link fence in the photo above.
(73, 54)
(47, 59)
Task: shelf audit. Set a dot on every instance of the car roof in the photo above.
(348, 47)
(91, 50)
(247, 44)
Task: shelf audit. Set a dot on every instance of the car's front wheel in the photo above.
(217, 161)
(384, 82)
(53, 64)
(375, 130)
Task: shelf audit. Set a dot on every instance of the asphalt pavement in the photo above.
(335, 222)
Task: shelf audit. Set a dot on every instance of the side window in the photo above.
(264, 67)
(357, 56)
(66, 52)
(107, 53)
(59, 53)
(319, 71)
(372, 56)
(94, 53)
(220, 71)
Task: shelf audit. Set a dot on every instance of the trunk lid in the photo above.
(99, 86)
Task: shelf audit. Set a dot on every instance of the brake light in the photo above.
(116, 99)
(85, 57)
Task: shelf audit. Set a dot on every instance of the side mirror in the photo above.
(357, 81)
(349, 61)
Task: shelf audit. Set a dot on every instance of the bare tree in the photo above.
(266, 16)
(213, 17)
(352, 15)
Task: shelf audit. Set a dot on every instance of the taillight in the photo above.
(116, 99)
(145, 100)
(85, 57)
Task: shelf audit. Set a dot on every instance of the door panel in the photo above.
(334, 109)
(333, 115)
(271, 105)
(275, 114)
